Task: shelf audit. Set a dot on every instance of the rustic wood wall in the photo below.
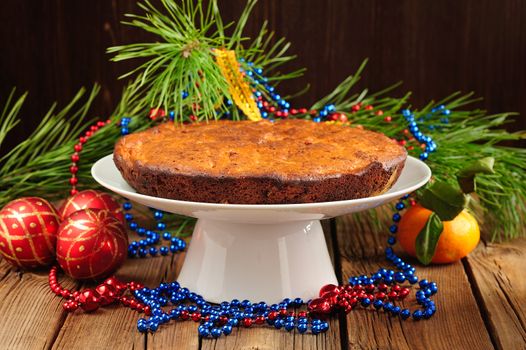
(53, 47)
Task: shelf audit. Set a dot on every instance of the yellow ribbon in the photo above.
(237, 85)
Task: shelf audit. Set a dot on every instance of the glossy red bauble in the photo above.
(319, 306)
(28, 232)
(106, 293)
(91, 199)
(89, 300)
(329, 288)
(91, 243)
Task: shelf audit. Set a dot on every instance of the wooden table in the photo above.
(481, 305)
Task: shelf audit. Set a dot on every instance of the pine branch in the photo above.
(467, 135)
(8, 118)
(181, 70)
(39, 166)
(472, 135)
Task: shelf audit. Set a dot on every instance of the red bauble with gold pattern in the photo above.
(91, 244)
(28, 232)
(93, 200)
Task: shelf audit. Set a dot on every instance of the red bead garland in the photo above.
(333, 298)
(335, 116)
(77, 148)
(156, 113)
(110, 291)
(282, 114)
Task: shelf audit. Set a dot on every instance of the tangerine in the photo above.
(458, 238)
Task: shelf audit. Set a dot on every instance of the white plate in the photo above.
(415, 174)
(259, 252)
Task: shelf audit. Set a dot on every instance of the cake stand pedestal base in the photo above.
(258, 262)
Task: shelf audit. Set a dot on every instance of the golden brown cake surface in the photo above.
(288, 161)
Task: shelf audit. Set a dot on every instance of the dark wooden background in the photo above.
(53, 47)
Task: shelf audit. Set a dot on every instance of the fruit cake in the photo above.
(246, 162)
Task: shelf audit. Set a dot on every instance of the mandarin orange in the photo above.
(459, 237)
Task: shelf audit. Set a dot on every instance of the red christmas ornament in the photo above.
(93, 200)
(28, 232)
(91, 243)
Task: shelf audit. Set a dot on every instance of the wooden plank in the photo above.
(116, 326)
(266, 337)
(456, 325)
(497, 275)
(31, 315)
(111, 326)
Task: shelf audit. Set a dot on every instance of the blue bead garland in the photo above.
(125, 121)
(217, 320)
(145, 246)
(259, 81)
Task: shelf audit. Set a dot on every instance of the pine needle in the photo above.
(467, 135)
(39, 165)
(183, 63)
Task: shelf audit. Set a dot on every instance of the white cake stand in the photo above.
(259, 252)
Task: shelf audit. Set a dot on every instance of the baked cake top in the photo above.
(291, 149)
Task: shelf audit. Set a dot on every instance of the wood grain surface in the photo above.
(480, 306)
(30, 314)
(497, 275)
(456, 325)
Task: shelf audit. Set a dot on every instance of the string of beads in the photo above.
(110, 291)
(380, 289)
(147, 245)
(77, 148)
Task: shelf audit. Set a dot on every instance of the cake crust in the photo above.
(285, 162)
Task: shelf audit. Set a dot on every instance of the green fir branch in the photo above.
(183, 62)
(468, 135)
(39, 165)
(9, 112)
